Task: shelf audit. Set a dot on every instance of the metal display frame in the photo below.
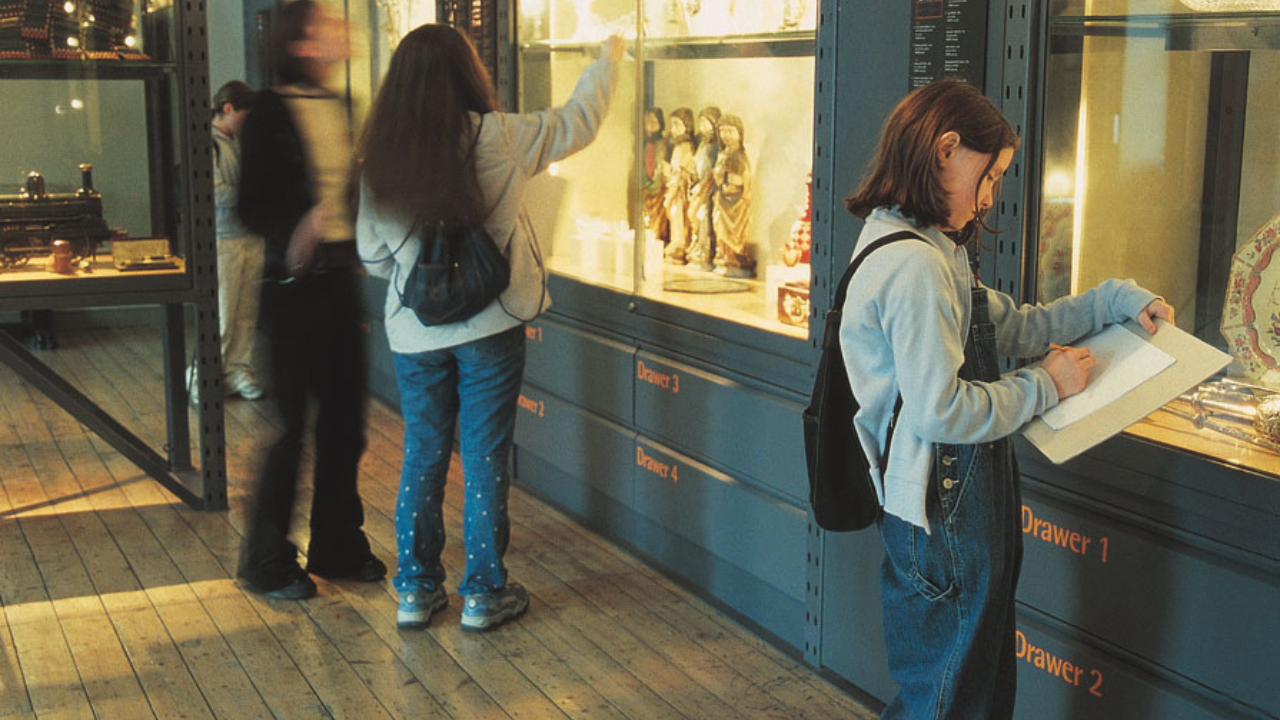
(192, 216)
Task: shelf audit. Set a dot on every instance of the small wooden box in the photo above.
(793, 304)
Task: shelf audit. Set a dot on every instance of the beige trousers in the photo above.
(239, 285)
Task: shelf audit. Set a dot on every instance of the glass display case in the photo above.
(90, 189)
(695, 192)
(1161, 121)
(106, 200)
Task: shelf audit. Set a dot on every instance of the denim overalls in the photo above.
(948, 596)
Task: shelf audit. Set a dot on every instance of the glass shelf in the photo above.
(46, 69)
(1198, 31)
(796, 43)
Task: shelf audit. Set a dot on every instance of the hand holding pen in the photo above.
(1069, 368)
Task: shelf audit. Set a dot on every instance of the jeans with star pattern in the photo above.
(471, 388)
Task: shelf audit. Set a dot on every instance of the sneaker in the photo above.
(416, 608)
(484, 611)
(246, 388)
(193, 388)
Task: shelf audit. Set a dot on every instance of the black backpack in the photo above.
(459, 271)
(840, 489)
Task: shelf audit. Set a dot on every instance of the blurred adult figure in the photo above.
(296, 160)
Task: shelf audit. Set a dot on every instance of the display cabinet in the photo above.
(663, 391)
(1159, 163)
(694, 195)
(90, 157)
(106, 196)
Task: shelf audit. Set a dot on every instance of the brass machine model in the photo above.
(32, 220)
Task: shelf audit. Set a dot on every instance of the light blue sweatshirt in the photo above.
(906, 322)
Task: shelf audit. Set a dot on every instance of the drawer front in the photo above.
(583, 445)
(1061, 678)
(588, 370)
(757, 533)
(758, 436)
(1204, 616)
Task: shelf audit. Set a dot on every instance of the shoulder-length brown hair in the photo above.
(417, 158)
(904, 171)
(236, 92)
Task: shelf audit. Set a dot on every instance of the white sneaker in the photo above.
(415, 609)
(483, 611)
(193, 388)
(247, 389)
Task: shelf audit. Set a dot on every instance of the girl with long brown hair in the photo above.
(921, 338)
(437, 150)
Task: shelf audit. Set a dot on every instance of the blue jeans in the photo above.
(948, 596)
(477, 385)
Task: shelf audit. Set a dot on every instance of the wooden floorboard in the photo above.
(118, 601)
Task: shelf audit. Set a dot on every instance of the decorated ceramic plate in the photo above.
(1251, 312)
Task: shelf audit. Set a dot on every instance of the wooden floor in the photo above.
(118, 600)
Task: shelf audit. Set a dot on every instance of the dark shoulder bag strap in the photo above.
(842, 290)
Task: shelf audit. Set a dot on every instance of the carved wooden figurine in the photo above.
(731, 207)
(653, 189)
(679, 177)
(701, 252)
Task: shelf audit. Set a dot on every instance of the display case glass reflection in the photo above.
(696, 192)
(580, 208)
(87, 174)
(1159, 164)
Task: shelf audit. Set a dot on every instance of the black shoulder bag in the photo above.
(459, 270)
(841, 492)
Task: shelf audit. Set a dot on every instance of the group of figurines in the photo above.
(697, 189)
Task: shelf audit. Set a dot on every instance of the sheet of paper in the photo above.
(1125, 361)
(1196, 360)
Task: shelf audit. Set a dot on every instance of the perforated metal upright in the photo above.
(1013, 48)
(823, 261)
(194, 119)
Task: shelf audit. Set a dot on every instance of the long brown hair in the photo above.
(417, 147)
(904, 171)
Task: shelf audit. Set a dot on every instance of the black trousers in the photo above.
(316, 351)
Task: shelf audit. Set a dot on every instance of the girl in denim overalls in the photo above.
(919, 327)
